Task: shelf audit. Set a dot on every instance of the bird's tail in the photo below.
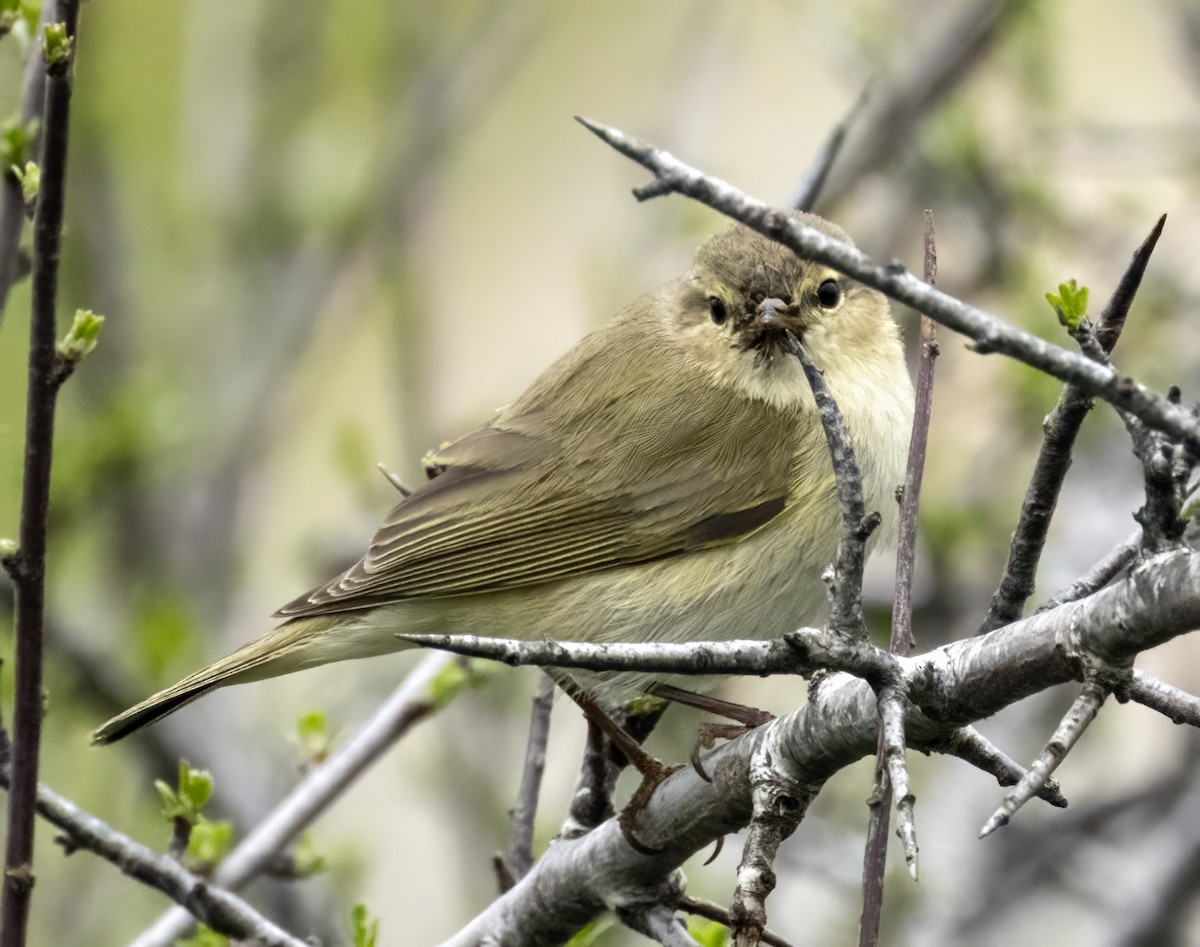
(289, 647)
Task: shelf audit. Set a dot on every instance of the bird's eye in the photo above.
(829, 294)
(716, 308)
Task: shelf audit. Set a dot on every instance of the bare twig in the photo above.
(520, 852)
(1166, 469)
(1176, 705)
(989, 333)
(901, 642)
(709, 657)
(969, 745)
(810, 188)
(845, 581)
(1083, 711)
(1114, 562)
(714, 912)
(940, 70)
(1054, 458)
(29, 576)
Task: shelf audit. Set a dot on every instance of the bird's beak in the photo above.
(776, 318)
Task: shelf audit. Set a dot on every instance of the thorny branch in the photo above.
(949, 687)
(989, 333)
(1054, 458)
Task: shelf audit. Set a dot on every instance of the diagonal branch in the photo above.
(216, 907)
(989, 333)
(1054, 458)
(412, 701)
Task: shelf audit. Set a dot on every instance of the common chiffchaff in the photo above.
(667, 479)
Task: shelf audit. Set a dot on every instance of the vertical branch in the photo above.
(875, 856)
(29, 564)
(524, 814)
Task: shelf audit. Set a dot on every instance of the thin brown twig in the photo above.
(902, 641)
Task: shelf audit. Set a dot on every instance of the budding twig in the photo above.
(1054, 459)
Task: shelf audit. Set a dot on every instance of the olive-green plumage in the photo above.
(666, 479)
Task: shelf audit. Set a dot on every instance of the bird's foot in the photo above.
(746, 719)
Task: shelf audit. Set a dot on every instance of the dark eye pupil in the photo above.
(716, 306)
(829, 293)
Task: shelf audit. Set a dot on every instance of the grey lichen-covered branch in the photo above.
(989, 333)
(950, 687)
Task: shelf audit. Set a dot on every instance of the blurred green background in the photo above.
(329, 233)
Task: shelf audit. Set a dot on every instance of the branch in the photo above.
(217, 908)
(814, 181)
(412, 701)
(956, 684)
(989, 333)
(524, 814)
(1054, 458)
(901, 640)
(29, 575)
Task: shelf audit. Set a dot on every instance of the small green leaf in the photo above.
(187, 799)
(81, 337)
(708, 933)
(364, 929)
(204, 937)
(312, 735)
(1070, 303)
(30, 179)
(209, 843)
(59, 47)
(306, 860)
(459, 675)
(16, 142)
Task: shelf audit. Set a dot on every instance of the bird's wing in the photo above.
(525, 500)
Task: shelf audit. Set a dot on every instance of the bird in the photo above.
(667, 479)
